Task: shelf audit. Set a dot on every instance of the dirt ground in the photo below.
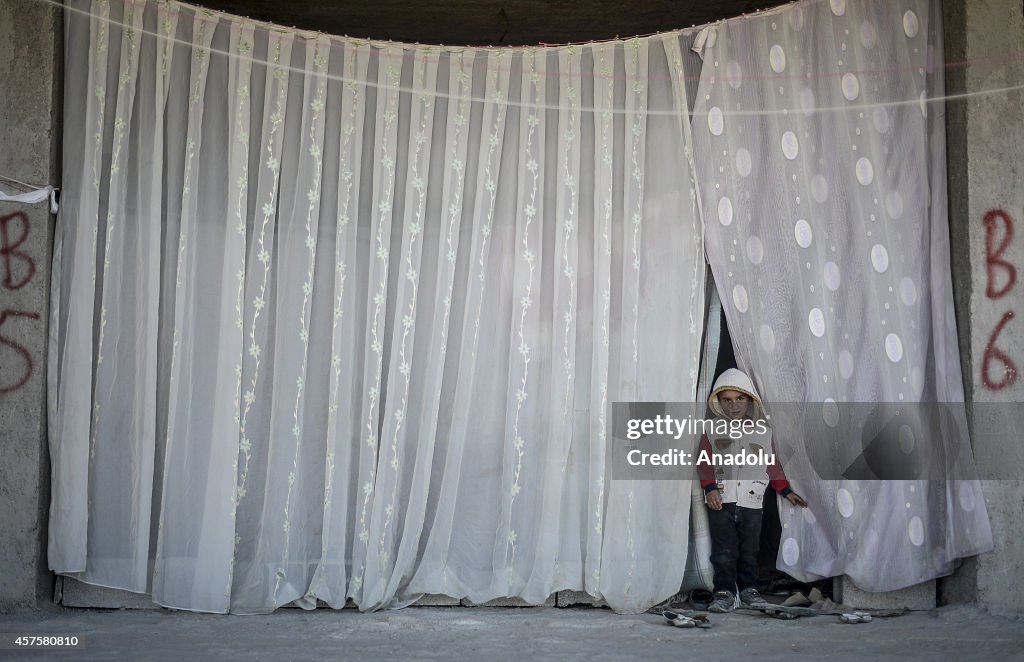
(953, 633)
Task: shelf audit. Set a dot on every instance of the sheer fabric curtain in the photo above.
(821, 164)
(338, 319)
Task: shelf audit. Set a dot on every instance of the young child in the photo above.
(734, 494)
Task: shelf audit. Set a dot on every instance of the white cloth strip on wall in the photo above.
(32, 197)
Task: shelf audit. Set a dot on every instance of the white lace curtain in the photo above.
(337, 319)
(822, 170)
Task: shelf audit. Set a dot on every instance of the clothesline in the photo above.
(587, 109)
(12, 180)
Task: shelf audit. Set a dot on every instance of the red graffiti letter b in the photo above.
(9, 251)
(994, 255)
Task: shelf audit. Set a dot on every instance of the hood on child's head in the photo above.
(734, 379)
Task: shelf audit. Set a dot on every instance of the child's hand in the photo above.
(714, 499)
(796, 499)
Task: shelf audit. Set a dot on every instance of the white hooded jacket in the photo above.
(743, 486)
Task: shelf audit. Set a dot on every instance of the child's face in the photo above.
(734, 403)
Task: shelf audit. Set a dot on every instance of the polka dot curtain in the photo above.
(821, 167)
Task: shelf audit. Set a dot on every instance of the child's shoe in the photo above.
(723, 603)
(750, 596)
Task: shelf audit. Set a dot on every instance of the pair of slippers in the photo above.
(686, 620)
(855, 617)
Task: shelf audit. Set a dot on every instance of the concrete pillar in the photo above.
(986, 188)
(30, 34)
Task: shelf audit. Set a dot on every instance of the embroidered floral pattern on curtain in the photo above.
(341, 320)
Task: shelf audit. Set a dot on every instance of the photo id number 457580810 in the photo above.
(23, 641)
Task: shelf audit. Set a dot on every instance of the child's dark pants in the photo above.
(735, 539)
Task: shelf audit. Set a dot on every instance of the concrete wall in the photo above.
(30, 35)
(987, 205)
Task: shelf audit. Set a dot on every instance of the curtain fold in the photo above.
(821, 163)
(342, 320)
